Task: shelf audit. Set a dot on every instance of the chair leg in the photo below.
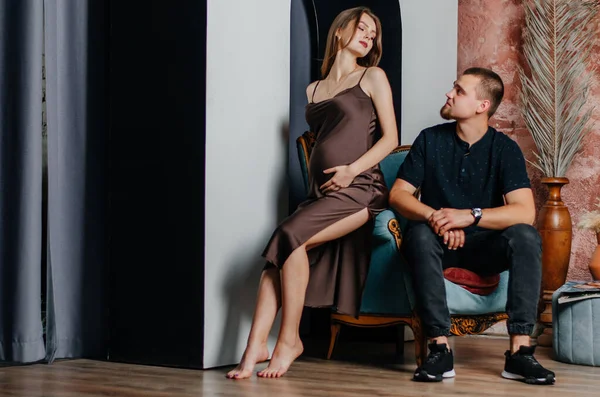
(335, 331)
(420, 341)
(422, 350)
(400, 342)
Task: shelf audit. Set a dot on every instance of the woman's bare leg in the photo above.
(267, 304)
(294, 280)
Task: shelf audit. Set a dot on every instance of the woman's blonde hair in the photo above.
(351, 17)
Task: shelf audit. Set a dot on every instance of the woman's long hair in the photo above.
(351, 17)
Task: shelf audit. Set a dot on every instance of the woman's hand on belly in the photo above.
(343, 177)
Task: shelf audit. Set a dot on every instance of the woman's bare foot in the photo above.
(252, 356)
(283, 356)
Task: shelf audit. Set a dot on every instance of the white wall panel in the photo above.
(247, 106)
(429, 55)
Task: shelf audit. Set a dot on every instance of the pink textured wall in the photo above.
(489, 35)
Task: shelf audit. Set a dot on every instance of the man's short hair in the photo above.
(490, 87)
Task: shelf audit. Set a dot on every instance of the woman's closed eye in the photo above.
(362, 29)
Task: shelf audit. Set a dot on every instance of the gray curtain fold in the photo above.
(21, 333)
(72, 35)
(21, 38)
(76, 112)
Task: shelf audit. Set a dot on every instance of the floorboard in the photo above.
(358, 370)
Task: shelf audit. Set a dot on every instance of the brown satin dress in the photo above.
(345, 128)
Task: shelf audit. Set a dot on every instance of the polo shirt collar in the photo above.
(483, 142)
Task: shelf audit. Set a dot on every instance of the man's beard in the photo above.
(445, 113)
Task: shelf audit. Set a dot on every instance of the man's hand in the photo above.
(446, 219)
(454, 239)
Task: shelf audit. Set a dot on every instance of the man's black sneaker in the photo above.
(439, 365)
(524, 367)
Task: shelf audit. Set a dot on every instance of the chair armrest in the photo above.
(387, 228)
(389, 286)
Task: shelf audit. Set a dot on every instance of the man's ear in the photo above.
(484, 106)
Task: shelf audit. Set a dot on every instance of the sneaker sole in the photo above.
(425, 377)
(548, 380)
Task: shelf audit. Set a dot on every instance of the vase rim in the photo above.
(562, 180)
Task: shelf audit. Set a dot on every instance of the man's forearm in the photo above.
(500, 218)
(409, 206)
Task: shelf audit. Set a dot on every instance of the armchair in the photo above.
(388, 297)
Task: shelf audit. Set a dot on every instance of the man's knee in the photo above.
(523, 236)
(420, 236)
(422, 233)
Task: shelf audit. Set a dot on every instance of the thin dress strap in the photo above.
(315, 90)
(361, 77)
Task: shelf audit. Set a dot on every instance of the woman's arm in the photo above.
(377, 86)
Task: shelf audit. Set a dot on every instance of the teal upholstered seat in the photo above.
(389, 287)
(388, 297)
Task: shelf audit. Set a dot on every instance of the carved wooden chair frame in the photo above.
(460, 324)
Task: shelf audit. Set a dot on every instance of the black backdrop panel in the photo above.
(156, 168)
(303, 64)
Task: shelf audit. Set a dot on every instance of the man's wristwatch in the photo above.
(476, 212)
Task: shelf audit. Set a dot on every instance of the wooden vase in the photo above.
(554, 225)
(595, 262)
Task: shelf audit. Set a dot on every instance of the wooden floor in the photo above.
(355, 372)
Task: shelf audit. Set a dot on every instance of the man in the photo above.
(476, 212)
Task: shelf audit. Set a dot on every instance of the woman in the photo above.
(329, 233)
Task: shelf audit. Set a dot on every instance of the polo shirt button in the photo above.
(463, 170)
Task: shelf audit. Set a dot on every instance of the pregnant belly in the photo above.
(321, 160)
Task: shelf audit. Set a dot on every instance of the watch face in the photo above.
(476, 212)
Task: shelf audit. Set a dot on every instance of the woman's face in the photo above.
(360, 40)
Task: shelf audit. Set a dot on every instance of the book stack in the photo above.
(579, 290)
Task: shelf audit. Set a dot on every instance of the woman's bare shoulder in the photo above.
(310, 89)
(374, 80)
(375, 74)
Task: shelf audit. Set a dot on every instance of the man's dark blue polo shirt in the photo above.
(453, 175)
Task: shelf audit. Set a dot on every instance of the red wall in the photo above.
(489, 35)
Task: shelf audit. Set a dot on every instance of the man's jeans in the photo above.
(486, 252)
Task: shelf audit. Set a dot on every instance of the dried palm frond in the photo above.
(591, 220)
(557, 46)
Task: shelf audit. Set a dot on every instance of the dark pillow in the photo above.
(472, 282)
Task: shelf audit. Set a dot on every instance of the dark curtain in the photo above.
(72, 35)
(21, 38)
(75, 34)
